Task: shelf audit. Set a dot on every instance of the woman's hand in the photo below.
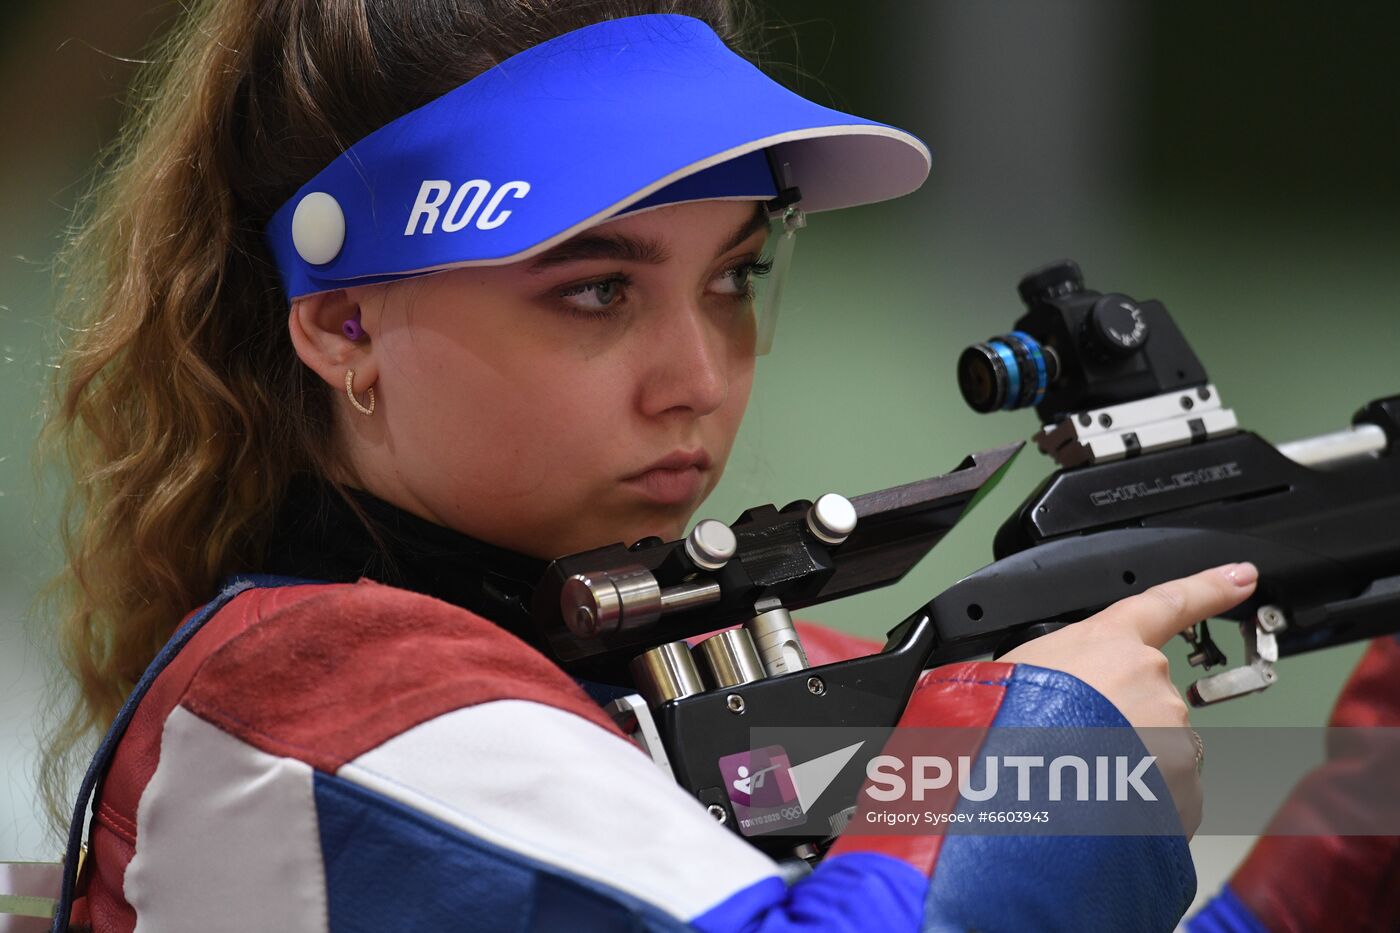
(1118, 653)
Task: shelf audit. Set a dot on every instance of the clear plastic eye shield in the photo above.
(616, 117)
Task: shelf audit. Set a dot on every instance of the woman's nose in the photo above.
(686, 362)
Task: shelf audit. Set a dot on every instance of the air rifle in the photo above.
(1156, 480)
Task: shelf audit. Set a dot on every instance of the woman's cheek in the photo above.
(737, 402)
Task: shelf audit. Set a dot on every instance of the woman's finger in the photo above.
(1162, 612)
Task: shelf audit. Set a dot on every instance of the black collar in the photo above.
(317, 536)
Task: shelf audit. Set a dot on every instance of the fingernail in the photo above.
(1243, 574)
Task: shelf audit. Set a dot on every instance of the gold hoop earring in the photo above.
(350, 391)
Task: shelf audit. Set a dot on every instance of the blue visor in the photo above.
(622, 115)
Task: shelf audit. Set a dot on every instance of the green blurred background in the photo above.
(1236, 160)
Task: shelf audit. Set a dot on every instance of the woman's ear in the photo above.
(318, 327)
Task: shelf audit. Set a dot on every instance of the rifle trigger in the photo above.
(1205, 653)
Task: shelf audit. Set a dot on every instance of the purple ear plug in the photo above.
(351, 328)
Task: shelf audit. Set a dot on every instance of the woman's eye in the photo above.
(735, 281)
(595, 299)
(738, 281)
(604, 298)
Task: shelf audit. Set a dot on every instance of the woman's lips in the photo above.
(668, 487)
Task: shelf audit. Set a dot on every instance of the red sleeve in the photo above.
(1314, 882)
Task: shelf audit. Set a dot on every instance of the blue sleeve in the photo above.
(1225, 913)
(389, 865)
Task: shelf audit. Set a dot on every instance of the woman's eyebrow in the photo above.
(620, 246)
(758, 220)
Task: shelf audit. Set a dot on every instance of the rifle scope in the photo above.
(1076, 349)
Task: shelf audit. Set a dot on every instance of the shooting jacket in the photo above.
(384, 748)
